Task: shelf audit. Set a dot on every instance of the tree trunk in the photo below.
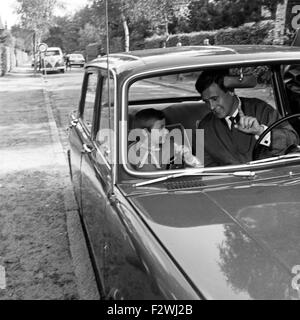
(34, 52)
(167, 35)
(126, 33)
(279, 30)
(166, 25)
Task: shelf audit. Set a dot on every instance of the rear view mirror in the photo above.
(242, 81)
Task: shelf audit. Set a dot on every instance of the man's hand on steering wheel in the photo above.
(289, 149)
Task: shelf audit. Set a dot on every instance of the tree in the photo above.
(216, 14)
(118, 11)
(23, 37)
(272, 6)
(64, 33)
(84, 16)
(88, 35)
(36, 15)
(204, 15)
(139, 31)
(161, 13)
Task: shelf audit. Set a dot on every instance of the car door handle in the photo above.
(73, 123)
(87, 148)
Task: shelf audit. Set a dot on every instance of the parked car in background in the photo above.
(76, 59)
(212, 232)
(53, 60)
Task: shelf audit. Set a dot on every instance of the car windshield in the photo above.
(52, 53)
(214, 118)
(76, 56)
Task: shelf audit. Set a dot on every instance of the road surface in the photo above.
(42, 249)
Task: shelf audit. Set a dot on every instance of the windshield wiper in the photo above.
(285, 156)
(197, 173)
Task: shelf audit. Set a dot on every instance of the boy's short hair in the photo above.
(146, 118)
(207, 78)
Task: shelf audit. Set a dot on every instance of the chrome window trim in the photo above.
(88, 133)
(109, 166)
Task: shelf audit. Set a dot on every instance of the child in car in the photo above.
(154, 150)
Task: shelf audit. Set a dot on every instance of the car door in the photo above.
(124, 273)
(118, 267)
(87, 180)
(96, 170)
(80, 126)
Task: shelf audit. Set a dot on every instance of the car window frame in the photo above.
(103, 75)
(96, 118)
(89, 71)
(280, 105)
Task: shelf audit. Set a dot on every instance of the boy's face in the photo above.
(159, 132)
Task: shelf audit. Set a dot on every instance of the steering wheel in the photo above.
(269, 129)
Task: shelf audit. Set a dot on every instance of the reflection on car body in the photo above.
(229, 231)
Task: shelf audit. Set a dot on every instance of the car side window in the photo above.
(105, 135)
(90, 99)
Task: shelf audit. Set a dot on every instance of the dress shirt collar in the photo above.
(235, 113)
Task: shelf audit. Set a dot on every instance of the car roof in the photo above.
(151, 60)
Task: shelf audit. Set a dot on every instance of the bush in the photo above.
(3, 61)
(259, 33)
(116, 44)
(251, 33)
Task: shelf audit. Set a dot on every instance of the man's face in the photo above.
(221, 103)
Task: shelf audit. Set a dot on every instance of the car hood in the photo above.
(232, 242)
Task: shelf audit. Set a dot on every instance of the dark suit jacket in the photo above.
(223, 146)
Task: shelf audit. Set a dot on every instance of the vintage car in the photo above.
(53, 60)
(76, 59)
(180, 232)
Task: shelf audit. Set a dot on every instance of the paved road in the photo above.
(64, 93)
(42, 249)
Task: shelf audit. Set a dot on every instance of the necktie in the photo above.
(234, 120)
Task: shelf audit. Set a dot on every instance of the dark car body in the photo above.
(209, 236)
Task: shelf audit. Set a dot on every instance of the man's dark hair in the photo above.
(145, 118)
(207, 78)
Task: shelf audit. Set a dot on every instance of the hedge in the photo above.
(251, 33)
(10, 58)
(3, 60)
(261, 33)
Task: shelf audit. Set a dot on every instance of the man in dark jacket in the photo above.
(235, 124)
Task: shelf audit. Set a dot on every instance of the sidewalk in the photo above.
(41, 243)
